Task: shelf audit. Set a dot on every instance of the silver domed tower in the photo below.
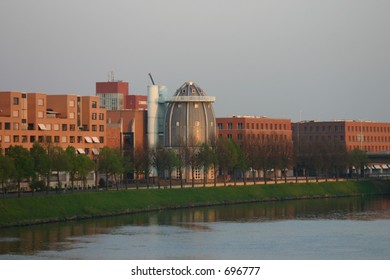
(190, 118)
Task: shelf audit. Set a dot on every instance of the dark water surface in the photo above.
(342, 228)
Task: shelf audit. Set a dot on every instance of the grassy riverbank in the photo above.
(51, 208)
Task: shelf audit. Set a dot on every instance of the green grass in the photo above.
(37, 209)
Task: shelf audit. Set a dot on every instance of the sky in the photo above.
(295, 59)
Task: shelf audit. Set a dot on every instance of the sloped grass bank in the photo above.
(41, 209)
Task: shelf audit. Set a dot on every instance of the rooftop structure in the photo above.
(190, 118)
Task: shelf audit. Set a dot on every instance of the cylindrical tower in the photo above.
(190, 118)
(152, 116)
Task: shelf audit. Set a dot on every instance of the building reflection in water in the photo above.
(64, 236)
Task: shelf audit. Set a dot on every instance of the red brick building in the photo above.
(136, 102)
(114, 95)
(372, 137)
(263, 129)
(126, 129)
(65, 120)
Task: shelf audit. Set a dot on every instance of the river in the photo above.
(321, 229)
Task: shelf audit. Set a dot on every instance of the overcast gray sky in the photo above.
(319, 59)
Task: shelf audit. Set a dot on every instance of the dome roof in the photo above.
(190, 118)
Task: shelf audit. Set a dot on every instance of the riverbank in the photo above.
(45, 209)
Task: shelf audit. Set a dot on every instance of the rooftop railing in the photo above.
(190, 99)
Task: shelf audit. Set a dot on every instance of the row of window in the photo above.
(257, 126)
(262, 137)
(379, 129)
(371, 149)
(55, 127)
(338, 128)
(49, 139)
(363, 138)
(328, 128)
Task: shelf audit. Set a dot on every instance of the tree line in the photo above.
(232, 161)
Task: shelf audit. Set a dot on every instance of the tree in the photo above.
(7, 171)
(58, 162)
(358, 159)
(191, 156)
(84, 167)
(285, 157)
(159, 161)
(24, 164)
(109, 163)
(171, 163)
(41, 162)
(227, 157)
(205, 159)
(72, 164)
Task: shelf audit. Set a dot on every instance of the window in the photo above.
(94, 116)
(48, 127)
(7, 126)
(101, 116)
(15, 100)
(71, 115)
(239, 125)
(32, 139)
(79, 139)
(101, 139)
(197, 174)
(101, 127)
(230, 125)
(7, 139)
(71, 139)
(56, 127)
(253, 126)
(71, 103)
(48, 139)
(64, 127)
(94, 127)
(177, 123)
(72, 127)
(196, 105)
(16, 126)
(219, 125)
(15, 113)
(230, 136)
(40, 114)
(56, 139)
(16, 138)
(94, 104)
(40, 101)
(24, 138)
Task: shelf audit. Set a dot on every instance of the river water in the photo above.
(321, 229)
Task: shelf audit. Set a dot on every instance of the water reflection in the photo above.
(72, 235)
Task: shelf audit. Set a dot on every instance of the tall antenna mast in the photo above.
(150, 75)
(111, 77)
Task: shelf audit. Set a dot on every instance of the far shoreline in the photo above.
(36, 210)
